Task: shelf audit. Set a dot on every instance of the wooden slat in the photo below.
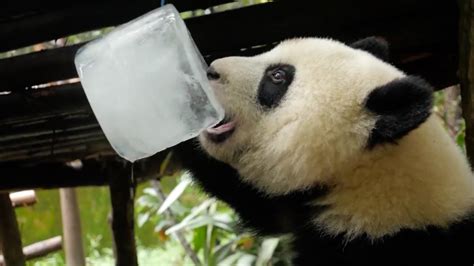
(51, 175)
(48, 124)
(411, 27)
(50, 20)
(24, 9)
(41, 67)
(93, 172)
(23, 107)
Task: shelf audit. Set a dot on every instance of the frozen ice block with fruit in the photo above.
(146, 82)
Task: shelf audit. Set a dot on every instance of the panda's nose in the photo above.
(212, 73)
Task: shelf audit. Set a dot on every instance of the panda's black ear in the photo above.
(400, 106)
(375, 45)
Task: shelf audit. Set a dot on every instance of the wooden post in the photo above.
(9, 233)
(466, 70)
(72, 231)
(122, 192)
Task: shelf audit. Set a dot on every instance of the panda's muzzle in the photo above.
(222, 131)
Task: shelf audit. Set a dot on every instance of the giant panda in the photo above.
(334, 146)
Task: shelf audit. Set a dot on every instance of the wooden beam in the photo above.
(91, 172)
(10, 234)
(55, 100)
(49, 123)
(72, 231)
(122, 194)
(412, 28)
(51, 21)
(28, 8)
(466, 71)
(51, 175)
(42, 67)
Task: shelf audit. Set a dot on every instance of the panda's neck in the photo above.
(423, 180)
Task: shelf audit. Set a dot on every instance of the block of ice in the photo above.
(147, 85)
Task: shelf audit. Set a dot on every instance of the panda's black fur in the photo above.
(401, 106)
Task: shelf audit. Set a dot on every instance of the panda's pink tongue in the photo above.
(226, 127)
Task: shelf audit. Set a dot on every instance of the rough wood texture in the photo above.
(122, 193)
(9, 233)
(466, 70)
(72, 231)
(421, 43)
(40, 249)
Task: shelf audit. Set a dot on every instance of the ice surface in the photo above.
(147, 85)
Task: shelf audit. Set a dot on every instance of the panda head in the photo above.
(298, 114)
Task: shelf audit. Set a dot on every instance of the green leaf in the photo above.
(221, 252)
(162, 225)
(150, 191)
(199, 238)
(142, 218)
(174, 195)
(231, 260)
(266, 251)
(222, 225)
(246, 259)
(198, 209)
(199, 221)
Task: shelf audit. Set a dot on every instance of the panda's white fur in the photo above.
(317, 136)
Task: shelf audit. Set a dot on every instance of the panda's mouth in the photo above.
(222, 131)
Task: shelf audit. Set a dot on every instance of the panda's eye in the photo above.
(278, 76)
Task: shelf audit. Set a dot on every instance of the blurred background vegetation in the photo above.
(209, 228)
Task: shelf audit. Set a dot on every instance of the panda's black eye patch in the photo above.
(274, 84)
